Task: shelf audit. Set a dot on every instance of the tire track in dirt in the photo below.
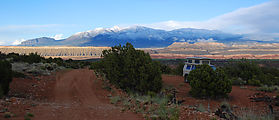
(77, 96)
(76, 85)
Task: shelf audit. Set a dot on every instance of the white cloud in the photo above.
(2, 43)
(170, 25)
(17, 42)
(258, 20)
(58, 37)
(206, 40)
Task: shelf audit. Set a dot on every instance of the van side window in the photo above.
(188, 67)
(190, 61)
(194, 67)
(197, 61)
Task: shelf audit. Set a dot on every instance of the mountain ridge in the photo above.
(140, 37)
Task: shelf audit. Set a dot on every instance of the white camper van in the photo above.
(191, 64)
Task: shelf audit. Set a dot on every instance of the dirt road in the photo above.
(78, 95)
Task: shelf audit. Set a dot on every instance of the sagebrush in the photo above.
(206, 82)
(130, 69)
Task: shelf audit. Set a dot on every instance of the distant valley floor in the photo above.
(177, 50)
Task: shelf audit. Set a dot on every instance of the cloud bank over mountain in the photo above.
(17, 42)
(58, 37)
(258, 22)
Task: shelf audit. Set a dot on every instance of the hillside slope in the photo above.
(140, 37)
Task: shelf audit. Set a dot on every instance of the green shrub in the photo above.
(165, 69)
(151, 94)
(7, 115)
(33, 58)
(201, 108)
(72, 64)
(251, 73)
(244, 69)
(250, 115)
(29, 114)
(1, 92)
(15, 57)
(227, 106)
(205, 82)
(237, 81)
(58, 61)
(115, 99)
(254, 82)
(213, 118)
(155, 107)
(179, 69)
(18, 74)
(27, 118)
(167, 112)
(130, 69)
(5, 77)
(174, 113)
(266, 88)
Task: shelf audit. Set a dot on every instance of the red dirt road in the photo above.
(78, 95)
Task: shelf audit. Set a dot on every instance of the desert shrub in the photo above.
(251, 115)
(71, 64)
(158, 107)
(84, 64)
(165, 69)
(18, 74)
(5, 77)
(15, 56)
(179, 69)
(243, 69)
(151, 94)
(33, 58)
(251, 73)
(130, 69)
(270, 70)
(115, 99)
(58, 61)
(48, 60)
(29, 114)
(237, 81)
(205, 82)
(201, 108)
(266, 88)
(213, 118)
(254, 81)
(226, 105)
(2, 56)
(173, 113)
(74, 64)
(7, 115)
(1, 92)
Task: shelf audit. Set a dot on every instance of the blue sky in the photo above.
(26, 19)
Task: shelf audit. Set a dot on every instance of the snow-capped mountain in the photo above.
(93, 33)
(139, 36)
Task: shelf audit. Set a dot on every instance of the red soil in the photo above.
(238, 99)
(78, 95)
(73, 95)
